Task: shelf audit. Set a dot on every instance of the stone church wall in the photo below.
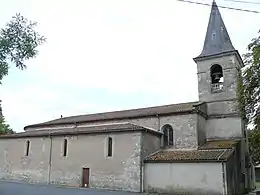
(46, 164)
(121, 171)
(150, 144)
(227, 108)
(201, 131)
(15, 165)
(224, 128)
(184, 130)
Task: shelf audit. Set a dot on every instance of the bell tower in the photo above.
(218, 66)
(219, 62)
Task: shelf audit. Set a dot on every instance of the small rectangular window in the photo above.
(109, 147)
(65, 147)
(27, 148)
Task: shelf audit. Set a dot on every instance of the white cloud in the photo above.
(124, 46)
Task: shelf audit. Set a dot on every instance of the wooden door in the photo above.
(85, 177)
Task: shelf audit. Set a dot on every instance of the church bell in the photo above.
(216, 76)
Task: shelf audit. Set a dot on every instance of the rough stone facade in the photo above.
(90, 152)
(229, 64)
(224, 128)
(14, 165)
(46, 164)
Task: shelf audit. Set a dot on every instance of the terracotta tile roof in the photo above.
(134, 113)
(190, 155)
(93, 129)
(219, 144)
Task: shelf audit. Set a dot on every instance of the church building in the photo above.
(189, 148)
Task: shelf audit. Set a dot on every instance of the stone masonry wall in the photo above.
(229, 65)
(184, 130)
(120, 172)
(150, 143)
(224, 128)
(15, 165)
(201, 125)
(184, 127)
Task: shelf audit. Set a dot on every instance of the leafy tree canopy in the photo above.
(18, 42)
(249, 95)
(254, 145)
(5, 128)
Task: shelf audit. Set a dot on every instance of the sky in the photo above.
(105, 55)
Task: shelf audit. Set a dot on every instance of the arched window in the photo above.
(109, 146)
(217, 79)
(65, 147)
(167, 135)
(27, 148)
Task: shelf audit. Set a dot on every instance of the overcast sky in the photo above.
(105, 55)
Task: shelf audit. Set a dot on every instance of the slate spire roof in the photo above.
(217, 40)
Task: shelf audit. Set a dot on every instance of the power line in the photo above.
(225, 7)
(248, 2)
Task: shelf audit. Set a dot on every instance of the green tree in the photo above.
(249, 95)
(18, 42)
(254, 139)
(5, 128)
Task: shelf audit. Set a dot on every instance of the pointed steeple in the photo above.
(217, 40)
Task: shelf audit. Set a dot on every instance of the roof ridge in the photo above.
(221, 154)
(132, 109)
(186, 107)
(105, 124)
(156, 152)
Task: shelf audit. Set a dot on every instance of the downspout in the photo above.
(159, 129)
(50, 159)
(198, 131)
(224, 177)
(159, 125)
(141, 163)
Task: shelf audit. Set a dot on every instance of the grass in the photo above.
(257, 185)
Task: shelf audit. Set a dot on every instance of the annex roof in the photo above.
(219, 144)
(216, 155)
(91, 129)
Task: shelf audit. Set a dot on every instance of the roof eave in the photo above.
(227, 53)
(222, 54)
(48, 134)
(186, 161)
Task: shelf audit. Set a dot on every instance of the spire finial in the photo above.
(217, 39)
